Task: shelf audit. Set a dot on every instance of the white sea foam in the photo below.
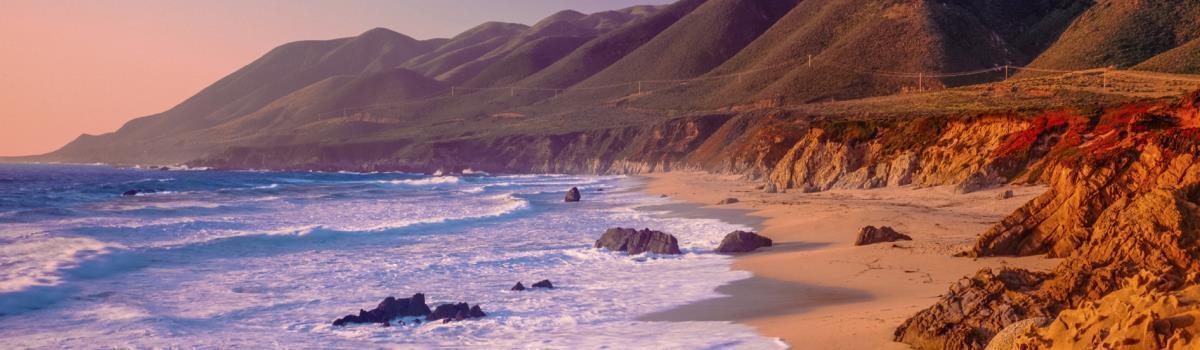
(437, 180)
(275, 273)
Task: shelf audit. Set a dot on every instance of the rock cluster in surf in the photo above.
(636, 242)
(540, 284)
(392, 308)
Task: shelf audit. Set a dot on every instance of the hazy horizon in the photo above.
(89, 67)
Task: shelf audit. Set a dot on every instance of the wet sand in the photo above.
(814, 289)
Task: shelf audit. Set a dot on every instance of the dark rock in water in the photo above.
(742, 241)
(662, 196)
(872, 235)
(455, 312)
(518, 287)
(387, 323)
(476, 312)
(573, 195)
(544, 284)
(390, 308)
(637, 242)
(599, 190)
(728, 201)
(130, 193)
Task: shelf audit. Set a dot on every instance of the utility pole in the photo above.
(1006, 72)
(810, 61)
(921, 82)
(512, 92)
(639, 87)
(451, 91)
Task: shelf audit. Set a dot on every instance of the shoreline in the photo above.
(814, 287)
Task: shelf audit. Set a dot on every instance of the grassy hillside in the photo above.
(1182, 59)
(1122, 34)
(609, 48)
(698, 42)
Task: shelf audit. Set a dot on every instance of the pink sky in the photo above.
(73, 67)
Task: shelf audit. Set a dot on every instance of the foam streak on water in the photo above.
(262, 259)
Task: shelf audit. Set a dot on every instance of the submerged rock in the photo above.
(544, 284)
(573, 195)
(637, 242)
(742, 241)
(390, 308)
(130, 193)
(872, 235)
(518, 287)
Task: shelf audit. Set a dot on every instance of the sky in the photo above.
(74, 67)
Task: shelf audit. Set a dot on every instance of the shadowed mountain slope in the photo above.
(598, 54)
(1123, 34)
(698, 42)
(1182, 59)
(849, 40)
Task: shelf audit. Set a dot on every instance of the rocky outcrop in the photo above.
(1123, 201)
(518, 287)
(728, 201)
(573, 195)
(975, 309)
(455, 312)
(926, 152)
(741, 242)
(387, 310)
(1139, 316)
(872, 235)
(1007, 338)
(636, 242)
(544, 284)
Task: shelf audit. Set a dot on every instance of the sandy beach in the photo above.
(814, 289)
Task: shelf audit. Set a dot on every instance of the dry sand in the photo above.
(814, 289)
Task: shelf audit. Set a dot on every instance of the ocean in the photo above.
(243, 259)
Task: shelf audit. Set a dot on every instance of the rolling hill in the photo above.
(576, 71)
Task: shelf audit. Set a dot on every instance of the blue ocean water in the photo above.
(267, 259)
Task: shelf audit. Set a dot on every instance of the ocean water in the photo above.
(268, 259)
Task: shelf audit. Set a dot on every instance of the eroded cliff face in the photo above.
(1123, 200)
(897, 155)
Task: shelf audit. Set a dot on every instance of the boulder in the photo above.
(872, 235)
(544, 284)
(770, 188)
(742, 241)
(728, 201)
(518, 287)
(388, 309)
(573, 195)
(476, 312)
(1005, 195)
(637, 242)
